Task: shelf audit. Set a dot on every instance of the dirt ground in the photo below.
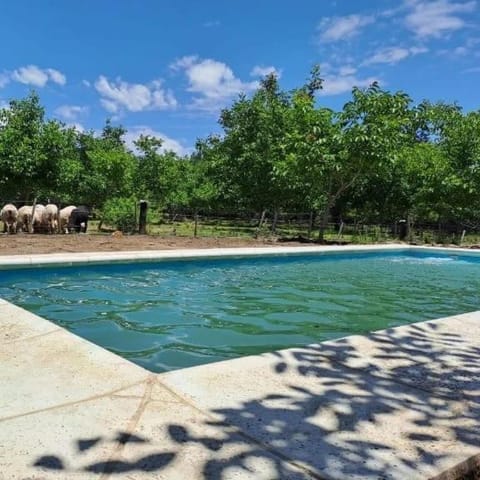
(21, 244)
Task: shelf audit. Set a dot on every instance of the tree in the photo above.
(253, 146)
(108, 167)
(157, 173)
(23, 162)
(62, 164)
(379, 159)
(460, 142)
(376, 127)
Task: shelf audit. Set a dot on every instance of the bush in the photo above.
(120, 213)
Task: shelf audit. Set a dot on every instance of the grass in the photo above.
(222, 228)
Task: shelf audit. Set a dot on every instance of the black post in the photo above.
(142, 219)
(402, 229)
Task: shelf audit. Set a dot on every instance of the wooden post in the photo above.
(402, 229)
(142, 218)
(195, 228)
(30, 223)
(135, 214)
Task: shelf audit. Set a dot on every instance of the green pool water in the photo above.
(169, 315)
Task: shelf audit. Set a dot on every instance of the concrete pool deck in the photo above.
(402, 403)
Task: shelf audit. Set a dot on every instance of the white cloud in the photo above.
(470, 47)
(261, 71)
(168, 144)
(184, 62)
(86, 83)
(333, 29)
(335, 85)
(56, 76)
(77, 126)
(347, 70)
(38, 77)
(393, 55)
(70, 112)
(418, 50)
(4, 79)
(212, 81)
(118, 95)
(460, 51)
(211, 24)
(436, 18)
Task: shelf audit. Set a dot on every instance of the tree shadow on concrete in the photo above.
(148, 463)
(336, 421)
(331, 411)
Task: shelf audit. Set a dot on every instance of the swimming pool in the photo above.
(174, 314)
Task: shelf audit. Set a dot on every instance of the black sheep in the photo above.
(79, 220)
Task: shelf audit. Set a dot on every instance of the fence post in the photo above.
(195, 228)
(402, 229)
(142, 219)
(31, 222)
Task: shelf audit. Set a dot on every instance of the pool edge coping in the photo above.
(138, 256)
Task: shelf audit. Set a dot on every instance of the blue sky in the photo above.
(168, 67)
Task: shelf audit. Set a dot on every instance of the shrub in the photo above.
(120, 213)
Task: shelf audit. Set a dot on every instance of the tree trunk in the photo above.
(311, 221)
(260, 223)
(324, 216)
(409, 227)
(274, 221)
(262, 219)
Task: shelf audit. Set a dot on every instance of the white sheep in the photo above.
(24, 222)
(50, 218)
(64, 217)
(38, 224)
(9, 216)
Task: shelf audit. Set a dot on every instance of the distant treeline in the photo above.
(380, 159)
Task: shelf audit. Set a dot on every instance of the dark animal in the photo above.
(78, 220)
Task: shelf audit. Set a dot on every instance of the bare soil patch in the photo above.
(22, 244)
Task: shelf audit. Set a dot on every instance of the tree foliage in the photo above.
(380, 158)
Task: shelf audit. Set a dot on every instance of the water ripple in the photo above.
(166, 316)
